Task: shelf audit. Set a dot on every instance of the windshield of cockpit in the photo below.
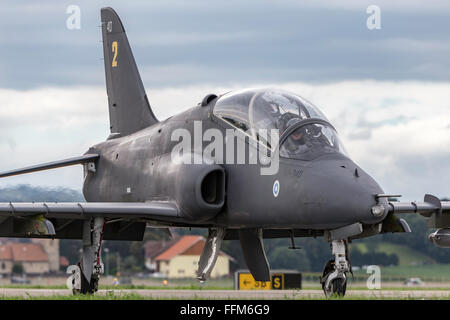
(311, 141)
(251, 110)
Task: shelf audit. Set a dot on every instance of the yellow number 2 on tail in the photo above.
(114, 50)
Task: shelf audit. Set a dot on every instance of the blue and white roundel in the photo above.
(276, 188)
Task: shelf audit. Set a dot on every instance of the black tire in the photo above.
(329, 267)
(339, 286)
(87, 288)
(94, 284)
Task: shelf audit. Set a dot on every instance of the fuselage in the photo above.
(323, 193)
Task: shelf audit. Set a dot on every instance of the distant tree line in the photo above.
(357, 258)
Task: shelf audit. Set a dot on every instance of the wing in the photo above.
(430, 205)
(437, 211)
(87, 158)
(85, 210)
(123, 220)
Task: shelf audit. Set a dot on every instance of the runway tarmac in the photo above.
(234, 294)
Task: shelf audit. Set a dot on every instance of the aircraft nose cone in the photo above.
(344, 193)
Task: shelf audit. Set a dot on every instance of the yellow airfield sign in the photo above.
(247, 282)
(278, 281)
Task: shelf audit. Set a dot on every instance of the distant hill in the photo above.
(406, 256)
(27, 193)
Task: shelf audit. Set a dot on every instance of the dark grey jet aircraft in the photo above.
(132, 179)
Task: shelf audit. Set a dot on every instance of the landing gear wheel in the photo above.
(327, 270)
(339, 286)
(87, 288)
(329, 267)
(94, 284)
(334, 276)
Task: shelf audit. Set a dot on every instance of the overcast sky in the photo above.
(387, 91)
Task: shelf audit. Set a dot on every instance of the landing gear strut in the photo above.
(86, 274)
(334, 277)
(210, 253)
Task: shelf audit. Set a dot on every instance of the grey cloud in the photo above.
(9, 142)
(416, 175)
(364, 134)
(362, 128)
(249, 41)
(373, 124)
(12, 143)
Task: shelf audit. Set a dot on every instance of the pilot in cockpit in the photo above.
(296, 142)
(280, 109)
(254, 110)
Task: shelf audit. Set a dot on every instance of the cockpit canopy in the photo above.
(251, 110)
(264, 109)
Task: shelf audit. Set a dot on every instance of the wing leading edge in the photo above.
(52, 165)
(123, 221)
(85, 210)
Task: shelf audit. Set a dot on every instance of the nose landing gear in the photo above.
(334, 277)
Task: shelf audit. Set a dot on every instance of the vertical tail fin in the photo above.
(129, 109)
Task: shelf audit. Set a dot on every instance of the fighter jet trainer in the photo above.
(247, 165)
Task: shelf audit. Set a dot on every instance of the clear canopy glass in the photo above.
(311, 141)
(253, 109)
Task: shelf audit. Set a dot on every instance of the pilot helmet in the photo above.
(292, 121)
(286, 120)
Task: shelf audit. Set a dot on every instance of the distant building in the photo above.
(30, 256)
(153, 248)
(51, 248)
(6, 261)
(179, 258)
(35, 258)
